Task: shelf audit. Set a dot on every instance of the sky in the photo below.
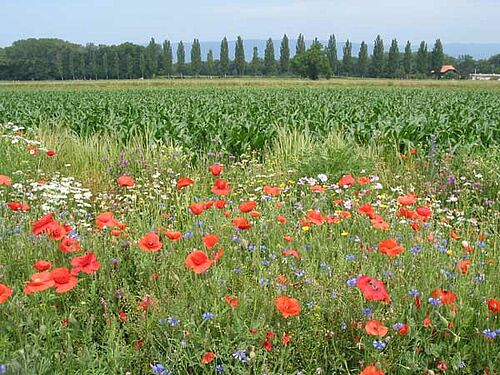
(116, 21)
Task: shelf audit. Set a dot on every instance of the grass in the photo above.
(143, 309)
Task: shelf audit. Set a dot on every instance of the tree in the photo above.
(196, 57)
(437, 57)
(347, 58)
(408, 59)
(269, 60)
(284, 55)
(422, 60)
(363, 59)
(224, 57)
(313, 63)
(181, 58)
(466, 64)
(210, 62)
(116, 65)
(331, 51)
(142, 64)
(152, 55)
(301, 45)
(239, 56)
(393, 61)
(167, 58)
(378, 57)
(255, 64)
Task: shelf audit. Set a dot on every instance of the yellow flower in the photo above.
(306, 228)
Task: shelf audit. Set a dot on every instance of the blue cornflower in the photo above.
(367, 311)
(263, 247)
(416, 249)
(488, 333)
(434, 301)
(379, 345)
(240, 355)
(3, 369)
(414, 293)
(352, 282)
(398, 326)
(308, 247)
(172, 321)
(188, 235)
(299, 273)
(207, 315)
(265, 262)
(350, 257)
(311, 304)
(251, 247)
(159, 369)
(272, 256)
(219, 369)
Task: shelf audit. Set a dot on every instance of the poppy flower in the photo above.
(364, 180)
(346, 180)
(463, 265)
(42, 224)
(241, 223)
(221, 187)
(315, 217)
(56, 231)
(293, 253)
(18, 206)
(173, 235)
(197, 208)
(371, 370)
(248, 206)
(376, 328)
(220, 204)
(446, 296)
(271, 190)
(286, 339)
(390, 247)
(215, 169)
(87, 263)
(150, 242)
(281, 219)
(404, 329)
(424, 211)
(379, 223)
(232, 301)
(317, 189)
(366, 209)
(50, 152)
(207, 358)
(5, 293)
(407, 200)
(42, 265)
(199, 262)
(210, 240)
(106, 219)
(454, 235)
(64, 281)
(287, 306)
(373, 289)
(39, 282)
(69, 245)
(494, 305)
(5, 180)
(32, 150)
(126, 181)
(267, 345)
(183, 182)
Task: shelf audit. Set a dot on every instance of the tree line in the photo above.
(45, 59)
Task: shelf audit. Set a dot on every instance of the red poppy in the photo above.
(293, 253)
(366, 209)
(446, 296)
(183, 182)
(42, 265)
(407, 200)
(241, 223)
(286, 339)
(69, 245)
(390, 247)
(454, 235)
(106, 219)
(376, 328)
(87, 263)
(39, 282)
(50, 152)
(32, 150)
(248, 206)
(210, 240)
(220, 204)
(5, 180)
(232, 301)
(197, 208)
(404, 329)
(378, 222)
(41, 225)
(221, 187)
(267, 345)
(122, 315)
(287, 306)
(364, 180)
(494, 305)
(424, 211)
(215, 169)
(373, 289)
(5, 293)
(371, 370)
(317, 189)
(281, 219)
(346, 180)
(64, 281)
(315, 217)
(150, 242)
(126, 181)
(18, 206)
(207, 358)
(463, 265)
(271, 190)
(173, 235)
(199, 262)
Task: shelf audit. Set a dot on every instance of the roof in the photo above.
(448, 68)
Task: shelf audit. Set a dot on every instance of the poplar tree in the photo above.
(167, 57)
(181, 58)
(331, 51)
(407, 59)
(239, 56)
(196, 57)
(363, 59)
(255, 63)
(116, 65)
(393, 61)
(152, 54)
(210, 62)
(437, 55)
(284, 55)
(301, 45)
(347, 58)
(224, 57)
(269, 59)
(422, 60)
(378, 57)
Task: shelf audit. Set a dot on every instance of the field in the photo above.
(249, 227)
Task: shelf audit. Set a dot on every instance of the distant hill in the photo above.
(476, 50)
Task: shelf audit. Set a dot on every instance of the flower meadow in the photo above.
(148, 259)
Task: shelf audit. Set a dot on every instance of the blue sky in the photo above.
(115, 21)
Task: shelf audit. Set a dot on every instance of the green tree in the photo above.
(347, 58)
(408, 59)
(422, 59)
(378, 57)
(210, 62)
(116, 65)
(181, 59)
(284, 55)
(224, 57)
(152, 56)
(105, 65)
(142, 64)
(393, 60)
(239, 56)
(437, 57)
(167, 58)
(301, 45)
(269, 59)
(332, 54)
(196, 57)
(363, 59)
(255, 64)
(313, 63)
